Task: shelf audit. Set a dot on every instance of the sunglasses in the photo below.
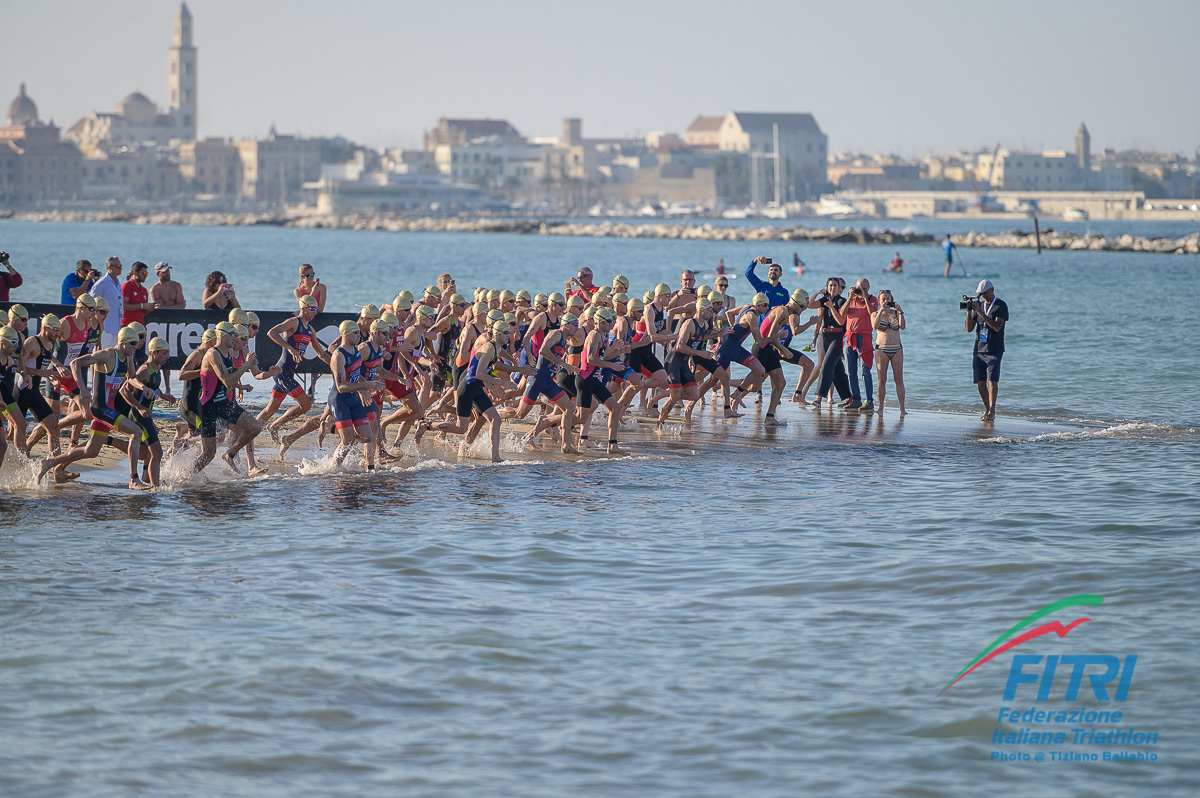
(559, 304)
(251, 326)
(309, 274)
(102, 312)
(460, 304)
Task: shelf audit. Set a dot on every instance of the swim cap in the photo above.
(603, 290)
(605, 315)
(347, 327)
(524, 295)
(101, 303)
(251, 318)
(500, 327)
(647, 297)
(51, 321)
(636, 305)
(557, 297)
(620, 281)
(407, 295)
(494, 316)
(308, 302)
(620, 299)
(137, 327)
(226, 328)
(760, 299)
(424, 311)
(379, 325)
(510, 317)
(480, 309)
(480, 293)
(241, 332)
(506, 295)
(571, 319)
(127, 336)
(540, 300)
(369, 312)
(458, 299)
(703, 303)
(18, 311)
(662, 288)
(716, 297)
(237, 316)
(575, 301)
(800, 296)
(433, 291)
(390, 319)
(493, 295)
(401, 302)
(703, 290)
(158, 344)
(85, 301)
(12, 336)
(209, 337)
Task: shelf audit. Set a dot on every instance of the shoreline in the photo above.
(1013, 239)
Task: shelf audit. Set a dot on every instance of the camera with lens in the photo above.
(966, 302)
(3, 257)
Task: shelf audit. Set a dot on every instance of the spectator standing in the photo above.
(135, 295)
(218, 293)
(78, 282)
(859, 343)
(166, 293)
(10, 280)
(108, 288)
(310, 285)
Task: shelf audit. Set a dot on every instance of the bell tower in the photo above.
(182, 76)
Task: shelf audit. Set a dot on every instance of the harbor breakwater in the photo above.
(1013, 239)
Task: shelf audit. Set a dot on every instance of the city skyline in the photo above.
(387, 73)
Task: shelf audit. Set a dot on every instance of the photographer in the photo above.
(833, 329)
(987, 317)
(10, 280)
(586, 288)
(776, 294)
(858, 343)
(78, 282)
(218, 293)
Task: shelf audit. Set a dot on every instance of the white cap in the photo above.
(984, 285)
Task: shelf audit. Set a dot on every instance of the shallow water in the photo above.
(730, 611)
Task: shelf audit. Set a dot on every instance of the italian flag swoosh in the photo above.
(995, 648)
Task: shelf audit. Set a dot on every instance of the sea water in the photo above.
(726, 612)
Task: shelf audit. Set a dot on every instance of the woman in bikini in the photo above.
(888, 321)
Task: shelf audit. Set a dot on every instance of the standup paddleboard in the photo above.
(715, 276)
(940, 277)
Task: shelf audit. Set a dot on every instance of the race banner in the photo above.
(183, 330)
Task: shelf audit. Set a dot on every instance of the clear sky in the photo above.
(904, 77)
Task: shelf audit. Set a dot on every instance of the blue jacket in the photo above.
(777, 295)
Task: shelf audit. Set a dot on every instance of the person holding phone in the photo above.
(218, 293)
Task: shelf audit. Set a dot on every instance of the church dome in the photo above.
(22, 110)
(137, 98)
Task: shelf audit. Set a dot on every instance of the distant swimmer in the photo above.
(897, 264)
(948, 248)
(720, 265)
(797, 264)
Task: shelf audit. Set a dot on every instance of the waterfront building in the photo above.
(275, 169)
(36, 165)
(704, 133)
(1051, 170)
(462, 131)
(129, 173)
(137, 119)
(211, 167)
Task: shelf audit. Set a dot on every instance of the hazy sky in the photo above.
(905, 77)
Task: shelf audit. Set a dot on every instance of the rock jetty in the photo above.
(693, 231)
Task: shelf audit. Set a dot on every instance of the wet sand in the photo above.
(805, 428)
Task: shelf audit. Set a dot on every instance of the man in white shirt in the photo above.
(109, 287)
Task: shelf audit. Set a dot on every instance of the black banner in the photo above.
(183, 330)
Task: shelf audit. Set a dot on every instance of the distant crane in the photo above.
(982, 198)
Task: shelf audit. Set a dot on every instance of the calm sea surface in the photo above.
(724, 613)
